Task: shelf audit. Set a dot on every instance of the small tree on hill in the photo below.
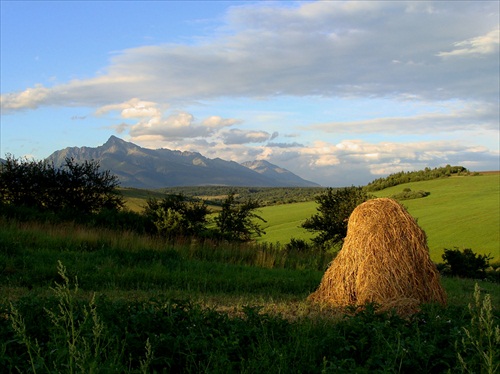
(175, 216)
(335, 207)
(238, 221)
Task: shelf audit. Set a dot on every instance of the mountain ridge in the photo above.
(156, 168)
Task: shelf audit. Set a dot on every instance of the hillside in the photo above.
(147, 168)
(459, 212)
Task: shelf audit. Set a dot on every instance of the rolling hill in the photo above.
(461, 212)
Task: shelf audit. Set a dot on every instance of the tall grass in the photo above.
(65, 334)
(189, 306)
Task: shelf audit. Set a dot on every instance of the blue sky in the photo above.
(337, 92)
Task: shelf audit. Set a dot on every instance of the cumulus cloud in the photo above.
(321, 48)
(237, 136)
(480, 45)
(217, 122)
(463, 116)
(133, 108)
(357, 161)
(179, 125)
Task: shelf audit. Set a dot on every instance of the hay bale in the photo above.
(384, 260)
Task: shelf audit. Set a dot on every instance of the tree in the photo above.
(88, 190)
(466, 263)
(238, 221)
(335, 207)
(76, 188)
(174, 215)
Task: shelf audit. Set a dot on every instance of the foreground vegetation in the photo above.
(195, 307)
(111, 290)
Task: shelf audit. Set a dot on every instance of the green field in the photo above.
(209, 307)
(219, 307)
(461, 212)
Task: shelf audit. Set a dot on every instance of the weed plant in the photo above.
(67, 334)
(69, 329)
(72, 339)
(479, 351)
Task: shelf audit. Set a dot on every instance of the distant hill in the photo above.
(147, 168)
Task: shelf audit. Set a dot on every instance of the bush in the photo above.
(335, 207)
(408, 194)
(297, 245)
(175, 216)
(74, 189)
(465, 264)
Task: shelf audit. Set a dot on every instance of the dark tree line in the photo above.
(415, 176)
(83, 193)
(77, 188)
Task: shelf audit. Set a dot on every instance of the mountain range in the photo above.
(147, 168)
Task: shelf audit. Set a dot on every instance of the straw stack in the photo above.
(384, 260)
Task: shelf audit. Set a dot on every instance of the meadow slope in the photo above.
(461, 212)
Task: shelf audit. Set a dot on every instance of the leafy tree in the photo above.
(76, 188)
(238, 221)
(174, 215)
(335, 207)
(87, 189)
(466, 263)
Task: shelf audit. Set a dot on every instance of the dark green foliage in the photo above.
(114, 331)
(335, 207)
(238, 221)
(119, 220)
(465, 264)
(73, 189)
(408, 194)
(184, 337)
(415, 176)
(265, 195)
(297, 245)
(175, 216)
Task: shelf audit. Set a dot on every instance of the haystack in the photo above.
(384, 260)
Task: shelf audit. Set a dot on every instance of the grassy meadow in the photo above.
(89, 300)
(80, 299)
(461, 212)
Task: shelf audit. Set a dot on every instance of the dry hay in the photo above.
(384, 260)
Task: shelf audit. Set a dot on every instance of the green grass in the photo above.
(283, 221)
(135, 198)
(461, 212)
(195, 307)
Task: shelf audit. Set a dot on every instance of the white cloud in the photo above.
(217, 122)
(442, 56)
(133, 108)
(481, 45)
(461, 116)
(237, 136)
(28, 99)
(321, 48)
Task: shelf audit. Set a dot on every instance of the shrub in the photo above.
(175, 216)
(335, 207)
(408, 194)
(72, 189)
(238, 222)
(465, 264)
(297, 245)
